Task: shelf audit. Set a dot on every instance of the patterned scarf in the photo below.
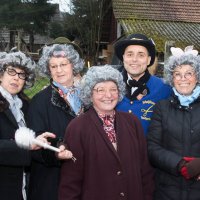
(108, 126)
(71, 96)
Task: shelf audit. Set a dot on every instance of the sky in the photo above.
(64, 5)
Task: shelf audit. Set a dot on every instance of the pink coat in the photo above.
(101, 172)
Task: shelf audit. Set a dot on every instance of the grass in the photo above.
(40, 83)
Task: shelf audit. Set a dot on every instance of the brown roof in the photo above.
(162, 20)
(164, 10)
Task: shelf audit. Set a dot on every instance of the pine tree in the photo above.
(31, 16)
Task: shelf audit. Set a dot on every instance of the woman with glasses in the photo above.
(174, 132)
(109, 145)
(16, 73)
(51, 110)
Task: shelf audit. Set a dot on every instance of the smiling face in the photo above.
(12, 83)
(105, 97)
(136, 59)
(61, 71)
(184, 79)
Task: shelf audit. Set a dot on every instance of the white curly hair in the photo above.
(98, 74)
(185, 59)
(60, 50)
(19, 60)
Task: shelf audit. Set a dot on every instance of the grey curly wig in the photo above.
(19, 60)
(98, 74)
(173, 62)
(60, 50)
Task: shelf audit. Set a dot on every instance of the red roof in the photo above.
(162, 20)
(164, 10)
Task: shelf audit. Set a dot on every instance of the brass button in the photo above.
(131, 102)
(130, 111)
(119, 173)
(122, 194)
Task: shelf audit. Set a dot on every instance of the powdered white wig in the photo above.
(185, 59)
(19, 60)
(60, 50)
(2, 54)
(98, 74)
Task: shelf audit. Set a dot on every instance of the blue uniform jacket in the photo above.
(143, 108)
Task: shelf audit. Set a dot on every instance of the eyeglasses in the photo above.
(188, 75)
(13, 72)
(55, 67)
(102, 91)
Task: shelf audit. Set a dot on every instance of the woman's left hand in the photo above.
(64, 153)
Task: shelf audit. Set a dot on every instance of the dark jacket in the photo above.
(47, 112)
(174, 132)
(101, 172)
(12, 158)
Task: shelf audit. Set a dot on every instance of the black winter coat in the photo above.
(174, 132)
(47, 112)
(12, 158)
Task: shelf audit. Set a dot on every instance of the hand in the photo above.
(191, 167)
(43, 138)
(198, 178)
(64, 153)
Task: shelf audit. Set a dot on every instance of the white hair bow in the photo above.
(177, 52)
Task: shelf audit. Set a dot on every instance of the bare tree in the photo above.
(84, 23)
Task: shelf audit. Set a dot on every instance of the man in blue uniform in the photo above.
(137, 53)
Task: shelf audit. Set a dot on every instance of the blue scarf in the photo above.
(72, 97)
(187, 100)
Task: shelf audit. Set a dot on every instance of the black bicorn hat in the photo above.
(135, 39)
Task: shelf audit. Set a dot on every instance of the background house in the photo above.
(22, 38)
(167, 22)
(161, 20)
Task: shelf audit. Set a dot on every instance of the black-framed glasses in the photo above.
(13, 72)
